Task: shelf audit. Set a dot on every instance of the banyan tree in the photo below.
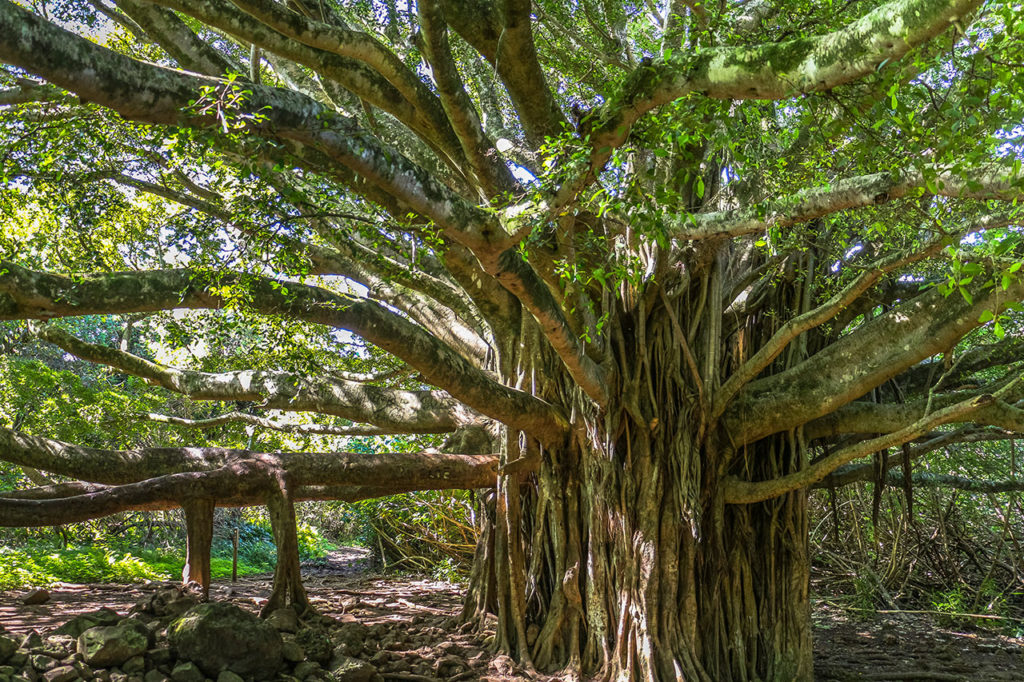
(671, 264)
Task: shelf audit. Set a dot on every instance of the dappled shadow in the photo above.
(410, 632)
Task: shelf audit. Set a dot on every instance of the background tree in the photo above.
(692, 259)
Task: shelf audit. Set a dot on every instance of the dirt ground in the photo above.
(411, 619)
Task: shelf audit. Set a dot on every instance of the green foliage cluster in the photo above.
(99, 553)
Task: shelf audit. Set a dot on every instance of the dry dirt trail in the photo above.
(410, 634)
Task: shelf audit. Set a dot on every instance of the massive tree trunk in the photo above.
(620, 556)
(636, 569)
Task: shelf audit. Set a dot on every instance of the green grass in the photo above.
(41, 565)
(42, 562)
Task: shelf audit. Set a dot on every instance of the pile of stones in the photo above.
(170, 636)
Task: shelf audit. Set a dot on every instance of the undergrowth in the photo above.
(42, 563)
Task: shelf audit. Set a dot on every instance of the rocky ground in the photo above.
(373, 628)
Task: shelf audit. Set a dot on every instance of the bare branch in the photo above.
(867, 357)
(266, 423)
(995, 181)
(745, 492)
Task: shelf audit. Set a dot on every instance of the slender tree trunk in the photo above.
(288, 589)
(199, 538)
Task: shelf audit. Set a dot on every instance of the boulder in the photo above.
(36, 596)
(136, 665)
(8, 645)
(316, 645)
(351, 638)
(169, 602)
(219, 636)
(228, 676)
(106, 646)
(187, 672)
(80, 623)
(64, 673)
(346, 669)
(285, 620)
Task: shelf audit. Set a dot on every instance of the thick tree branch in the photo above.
(177, 39)
(866, 471)
(745, 492)
(995, 181)
(247, 478)
(847, 369)
(25, 294)
(503, 33)
(813, 318)
(489, 168)
(393, 410)
(411, 102)
(266, 423)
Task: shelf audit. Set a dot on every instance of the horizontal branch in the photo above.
(926, 479)
(875, 352)
(249, 479)
(865, 471)
(391, 410)
(744, 492)
(28, 294)
(990, 182)
(263, 422)
(121, 467)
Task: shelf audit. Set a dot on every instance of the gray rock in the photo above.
(42, 662)
(64, 673)
(285, 620)
(351, 639)
(292, 652)
(118, 676)
(316, 645)
(18, 658)
(36, 596)
(228, 676)
(136, 665)
(187, 672)
(106, 646)
(79, 624)
(155, 676)
(101, 675)
(219, 636)
(306, 669)
(346, 669)
(160, 656)
(8, 645)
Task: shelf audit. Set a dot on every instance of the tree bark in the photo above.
(288, 589)
(199, 538)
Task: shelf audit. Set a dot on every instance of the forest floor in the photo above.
(411, 635)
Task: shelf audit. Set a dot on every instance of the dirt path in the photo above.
(410, 632)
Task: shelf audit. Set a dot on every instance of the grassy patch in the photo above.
(40, 565)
